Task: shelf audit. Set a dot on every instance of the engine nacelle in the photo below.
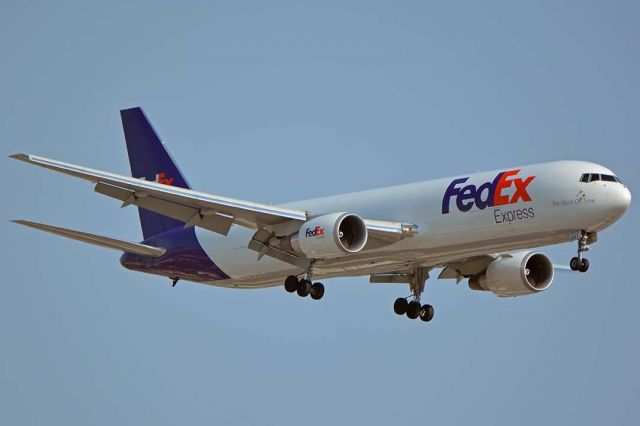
(330, 235)
(518, 274)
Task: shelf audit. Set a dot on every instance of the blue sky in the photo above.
(278, 101)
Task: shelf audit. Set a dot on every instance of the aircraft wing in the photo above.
(172, 201)
(213, 212)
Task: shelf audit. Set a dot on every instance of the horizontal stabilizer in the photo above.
(97, 240)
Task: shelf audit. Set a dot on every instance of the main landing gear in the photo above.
(304, 287)
(413, 309)
(580, 263)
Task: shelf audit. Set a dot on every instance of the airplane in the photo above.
(482, 227)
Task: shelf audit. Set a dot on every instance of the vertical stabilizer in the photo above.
(149, 159)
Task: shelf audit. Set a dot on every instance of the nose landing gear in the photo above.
(580, 263)
(413, 309)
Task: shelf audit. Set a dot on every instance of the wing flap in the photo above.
(191, 216)
(98, 240)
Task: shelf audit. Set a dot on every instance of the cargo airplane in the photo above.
(482, 227)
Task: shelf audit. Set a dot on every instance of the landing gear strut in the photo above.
(580, 263)
(304, 287)
(413, 309)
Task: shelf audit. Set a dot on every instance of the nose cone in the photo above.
(619, 199)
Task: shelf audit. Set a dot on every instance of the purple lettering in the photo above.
(450, 192)
(467, 193)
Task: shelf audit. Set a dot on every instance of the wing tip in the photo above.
(20, 156)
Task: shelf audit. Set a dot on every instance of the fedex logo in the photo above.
(488, 194)
(161, 178)
(315, 232)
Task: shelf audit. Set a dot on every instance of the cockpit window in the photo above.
(589, 177)
(593, 177)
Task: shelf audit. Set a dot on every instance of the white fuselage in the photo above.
(546, 209)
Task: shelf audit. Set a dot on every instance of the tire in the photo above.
(304, 288)
(400, 306)
(426, 313)
(413, 310)
(584, 265)
(574, 264)
(317, 291)
(291, 283)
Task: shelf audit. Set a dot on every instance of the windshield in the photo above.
(594, 177)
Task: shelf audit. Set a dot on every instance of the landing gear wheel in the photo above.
(400, 306)
(317, 291)
(584, 265)
(575, 263)
(304, 288)
(291, 283)
(426, 313)
(413, 310)
(579, 263)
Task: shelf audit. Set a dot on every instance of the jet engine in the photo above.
(516, 274)
(329, 235)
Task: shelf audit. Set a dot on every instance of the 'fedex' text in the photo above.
(315, 232)
(489, 194)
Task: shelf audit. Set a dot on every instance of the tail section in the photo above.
(98, 240)
(149, 159)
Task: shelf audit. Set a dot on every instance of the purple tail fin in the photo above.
(149, 159)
